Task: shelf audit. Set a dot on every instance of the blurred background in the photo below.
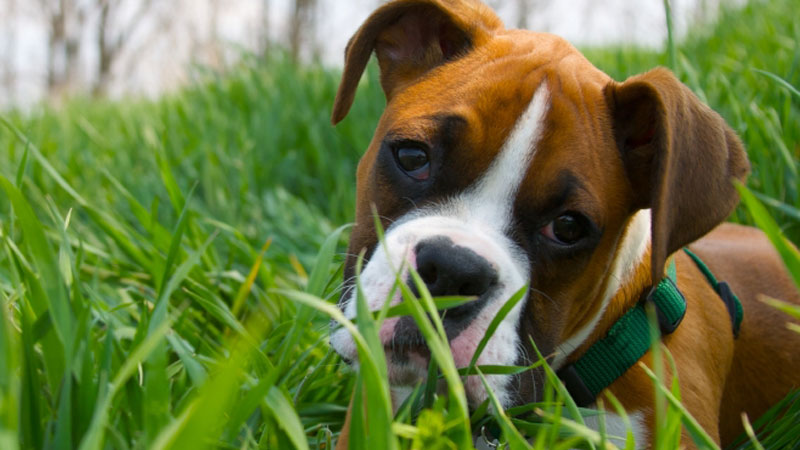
(50, 49)
(175, 159)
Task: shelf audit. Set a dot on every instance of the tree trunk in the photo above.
(65, 24)
(104, 53)
(301, 31)
(263, 37)
(56, 56)
(9, 74)
(523, 12)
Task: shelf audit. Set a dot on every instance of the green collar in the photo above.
(629, 338)
(732, 302)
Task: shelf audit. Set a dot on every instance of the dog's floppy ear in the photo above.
(410, 37)
(681, 158)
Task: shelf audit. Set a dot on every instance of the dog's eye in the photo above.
(566, 229)
(414, 162)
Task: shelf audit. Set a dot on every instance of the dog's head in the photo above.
(505, 159)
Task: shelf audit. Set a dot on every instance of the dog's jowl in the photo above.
(504, 160)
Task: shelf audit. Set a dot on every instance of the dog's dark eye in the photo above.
(566, 229)
(414, 162)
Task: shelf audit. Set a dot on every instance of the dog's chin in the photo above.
(407, 367)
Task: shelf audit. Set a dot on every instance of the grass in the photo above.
(168, 268)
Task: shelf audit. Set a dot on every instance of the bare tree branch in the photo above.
(113, 37)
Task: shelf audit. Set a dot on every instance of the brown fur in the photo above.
(647, 142)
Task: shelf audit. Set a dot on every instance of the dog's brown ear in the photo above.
(410, 37)
(681, 158)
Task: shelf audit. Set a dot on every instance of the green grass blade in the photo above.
(247, 285)
(786, 307)
(42, 160)
(430, 326)
(789, 253)
(748, 428)
(789, 210)
(10, 369)
(198, 425)
(161, 237)
(63, 424)
(553, 379)
(160, 311)
(515, 439)
(699, 435)
(156, 401)
(319, 274)
(375, 386)
(440, 303)
(367, 362)
(197, 373)
(42, 254)
(501, 314)
(21, 170)
(31, 432)
(175, 243)
(167, 177)
(283, 410)
(93, 439)
(781, 82)
(671, 49)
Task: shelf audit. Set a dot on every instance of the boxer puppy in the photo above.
(505, 159)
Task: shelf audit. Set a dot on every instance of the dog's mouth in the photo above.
(406, 349)
(407, 365)
(408, 355)
(408, 358)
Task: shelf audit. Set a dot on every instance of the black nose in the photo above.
(447, 270)
(451, 270)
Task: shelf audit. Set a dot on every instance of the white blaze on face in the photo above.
(491, 199)
(477, 219)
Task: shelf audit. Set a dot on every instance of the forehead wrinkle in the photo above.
(568, 191)
(563, 187)
(572, 92)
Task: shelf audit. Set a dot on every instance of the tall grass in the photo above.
(142, 244)
(168, 268)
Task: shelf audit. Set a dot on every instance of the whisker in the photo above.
(545, 295)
